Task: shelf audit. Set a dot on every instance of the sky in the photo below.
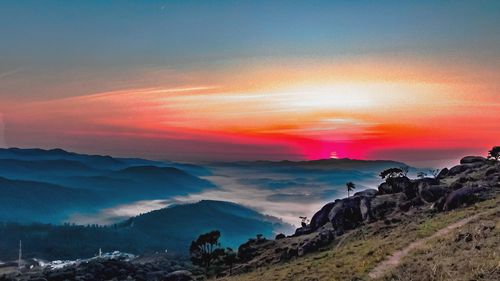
(415, 81)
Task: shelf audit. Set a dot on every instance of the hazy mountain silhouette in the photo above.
(30, 201)
(171, 229)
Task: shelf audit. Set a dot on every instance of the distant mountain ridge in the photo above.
(103, 162)
(336, 163)
(172, 228)
(234, 221)
(30, 201)
(34, 178)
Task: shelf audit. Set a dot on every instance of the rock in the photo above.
(439, 204)
(292, 252)
(457, 170)
(321, 239)
(395, 185)
(250, 249)
(491, 171)
(320, 218)
(346, 214)
(382, 205)
(461, 196)
(179, 275)
(280, 236)
(385, 188)
(472, 159)
(443, 173)
(366, 210)
(303, 230)
(429, 193)
(367, 193)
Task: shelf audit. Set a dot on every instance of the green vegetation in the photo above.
(494, 153)
(392, 173)
(206, 252)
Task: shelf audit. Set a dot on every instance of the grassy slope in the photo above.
(358, 252)
(468, 253)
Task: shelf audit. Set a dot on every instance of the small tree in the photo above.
(421, 175)
(392, 173)
(350, 187)
(303, 221)
(206, 249)
(229, 259)
(494, 153)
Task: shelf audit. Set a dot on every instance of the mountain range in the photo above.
(171, 229)
(44, 192)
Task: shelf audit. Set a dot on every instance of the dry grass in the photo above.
(355, 257)
(469, 253)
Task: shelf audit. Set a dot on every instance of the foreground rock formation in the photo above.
(474, 179)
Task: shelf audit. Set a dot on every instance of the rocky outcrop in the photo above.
(343, 214)
(396, 199)
(349, 213)
(457, 198)
(320, 239)
(449, 189)
(472, 159)
(431, 193)
(395, 185)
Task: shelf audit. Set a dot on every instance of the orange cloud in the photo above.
(348, 109)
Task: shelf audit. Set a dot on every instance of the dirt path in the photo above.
(395, 259)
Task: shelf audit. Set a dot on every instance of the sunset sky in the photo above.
(247, 80)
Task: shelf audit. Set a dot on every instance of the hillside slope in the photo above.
(348, 238)
(170, 229)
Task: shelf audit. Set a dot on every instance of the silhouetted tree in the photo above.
(350, 187)
(303, 221)
(392, 173)
(229, 259)
(206, 249)
(494, 153)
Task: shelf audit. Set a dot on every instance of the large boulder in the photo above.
(455, 170)
(303, 230)
(320, 218)
(346, 214)
(431, 193)
(464, 195)
(443, 173)
(472, 159)
(383, 205)
(395, 185)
